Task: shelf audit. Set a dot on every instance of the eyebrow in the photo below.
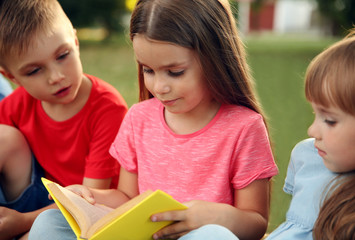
(325, 110)
(170, 65)
(31, 64)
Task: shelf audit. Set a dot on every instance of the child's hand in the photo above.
(12, 223)
(198, 214)
(83, 192)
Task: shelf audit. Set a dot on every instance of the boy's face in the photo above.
(50, 70)
(334, 133)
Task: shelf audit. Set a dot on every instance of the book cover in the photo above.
(130, 221)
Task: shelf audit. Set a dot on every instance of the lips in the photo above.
(169, 102)
(62, 92)
(320, 152)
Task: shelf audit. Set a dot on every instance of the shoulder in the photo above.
(18, 106)
(19, 95)
(232, 111)
(146, 107)
(234, 116)
(103, 92)
(305, 147)
(305, 155)
(144, 113)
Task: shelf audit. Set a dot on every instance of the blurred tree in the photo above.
(340, 12)
(256, 5)
(89, 13)
(130, 4)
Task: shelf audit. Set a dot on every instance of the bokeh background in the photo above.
(281, 38)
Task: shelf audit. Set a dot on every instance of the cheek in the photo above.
(74, 63)
(341, 146)
(39, 91)
(148, 82)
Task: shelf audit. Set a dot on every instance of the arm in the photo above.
(248, 218)
(127, 189)
(14, 223)
(97, 183)
(24, 221)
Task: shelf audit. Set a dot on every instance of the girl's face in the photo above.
(173, 75)
(334, 133)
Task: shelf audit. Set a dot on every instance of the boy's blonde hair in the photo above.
(330, 78)
(22, 20)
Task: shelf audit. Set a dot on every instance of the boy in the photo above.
(58, 119)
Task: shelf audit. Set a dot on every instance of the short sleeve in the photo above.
(253, 159)
(299, 154)
(123, 149)
(289, 180)
(99, 163)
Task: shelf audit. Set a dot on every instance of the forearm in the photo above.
(244, 224)
(109, 197)
(103, 194)
(26, 220)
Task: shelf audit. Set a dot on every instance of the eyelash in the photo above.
(34, 71)
(330, 122)
(176, 74)
(59, 58)
(147, 70)
(171, 73)
(64, 55)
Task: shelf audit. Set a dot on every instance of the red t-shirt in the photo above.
(75, 148)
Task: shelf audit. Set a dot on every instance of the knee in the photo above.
(209, 232)
(12, 140)
(13, 147)
(41, 228)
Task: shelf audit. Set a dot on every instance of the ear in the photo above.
(76, 41)
(76, 37)
(8, 75)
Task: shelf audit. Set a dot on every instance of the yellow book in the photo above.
(130, 221)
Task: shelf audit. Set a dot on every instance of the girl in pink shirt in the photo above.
(198, 132)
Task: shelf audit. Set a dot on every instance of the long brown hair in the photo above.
(207, 27)
(336, 219)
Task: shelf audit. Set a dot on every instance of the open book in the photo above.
(130, 221)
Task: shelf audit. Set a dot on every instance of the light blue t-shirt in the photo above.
(5, 87)
(307, 179)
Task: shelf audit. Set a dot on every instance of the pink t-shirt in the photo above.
(229, 153)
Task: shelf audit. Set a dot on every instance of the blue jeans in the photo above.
(34, 197)
(210, 232)
(51, 224)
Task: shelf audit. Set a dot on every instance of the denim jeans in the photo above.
(210, 232)
(34, 197)
(51, 224)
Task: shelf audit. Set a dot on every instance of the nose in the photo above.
(313, 131)
(55, 75)
(161, 85)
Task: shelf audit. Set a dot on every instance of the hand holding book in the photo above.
(129, 221)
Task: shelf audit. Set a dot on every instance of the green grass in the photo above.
(278, 66)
